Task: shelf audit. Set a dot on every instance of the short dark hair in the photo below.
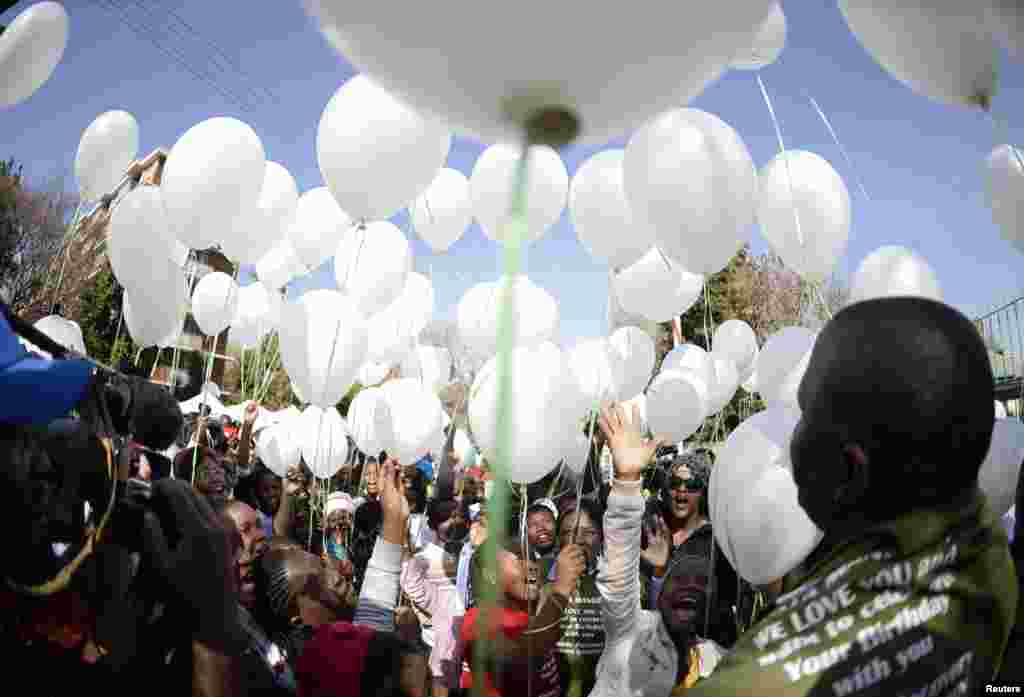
(588, 506)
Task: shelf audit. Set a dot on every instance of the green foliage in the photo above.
(99, 318)
(346, 401)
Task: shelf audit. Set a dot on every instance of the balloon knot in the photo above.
(552, 126)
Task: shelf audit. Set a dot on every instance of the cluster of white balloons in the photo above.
(403, 417)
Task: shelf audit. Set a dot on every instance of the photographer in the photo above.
(99, 581)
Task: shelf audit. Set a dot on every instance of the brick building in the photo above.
(87, 256)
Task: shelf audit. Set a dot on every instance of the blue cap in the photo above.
(426, 466)
(35, 391)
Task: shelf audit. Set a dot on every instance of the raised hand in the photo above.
(572, 561)
(659, 545)
(394, 504)
(631, 452)
(252, 411)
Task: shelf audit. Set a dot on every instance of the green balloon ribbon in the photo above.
(497, 513)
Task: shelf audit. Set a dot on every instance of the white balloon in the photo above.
(373, 373)
(657, 288)
(317, 227)
(677, 404)
(30, 49)
(693, 358)
(277, 267)
(442, 213)
(155, 314)
(727, 380)
(911, 40)
(536, 313)
(139, 234)
(998, 475)
(371, 265)
(736, 341)
(801, 186)
(376, 154)
(369, 420)
(894, 271)
(253, 317)
(215, 302)
(65, 332)
(1007, 20)
(1006, 193)
(257, 228)
(213, 173)
(1000, 410)
(323, 343)
(601, 212)
(493, 179)
(597, 369)
(768, 42)
(689, 175)
(278, 446)
(487, 73)
(759, 442)
(782, 363)
(107, 148)
(324, 440)
(430, 365)
(543, 411)
(417, 419)
(635, 349)
(750, 384)
(393, 331)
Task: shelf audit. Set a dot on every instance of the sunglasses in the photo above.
(691, 484)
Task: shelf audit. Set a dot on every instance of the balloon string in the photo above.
(361, 228)
(191, 266)
(515, 229)
(69, 237)
(117, 334)
(842, 150)
(668, 264)
(583, 475)
(785, 156)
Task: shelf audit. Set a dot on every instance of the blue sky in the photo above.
(922, 163)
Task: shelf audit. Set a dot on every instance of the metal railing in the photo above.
(1003, 333)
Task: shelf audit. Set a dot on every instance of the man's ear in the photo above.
(856, 476)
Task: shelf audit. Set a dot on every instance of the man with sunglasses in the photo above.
(683, 529)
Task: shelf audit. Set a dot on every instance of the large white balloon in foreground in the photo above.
(800, 186)
(677, 404)
(139, 235)
(492, 182)
(417, 419)
(601, 213)
(781, 365)
(486, 71)
(998, 475)
(323, 343)
(156, 310)
(634, 348)
(108, 146)
(30, 49)
(213, 173)
(894, 271)
(377, 154)
(725, 383)
(371, 265)
(324, 440)
(1006, 193)
(736, 341)
(259, 226)
(597, 369)
(768, 42)
(215, 302)
(536, 313)
(656, 288)
(543, 411)
(369, 421)
(943, 49)
(442, 213)
(689, 175)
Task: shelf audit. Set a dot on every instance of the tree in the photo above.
(32, 228)
(100, 319)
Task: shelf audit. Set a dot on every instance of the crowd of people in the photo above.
(400, 580)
